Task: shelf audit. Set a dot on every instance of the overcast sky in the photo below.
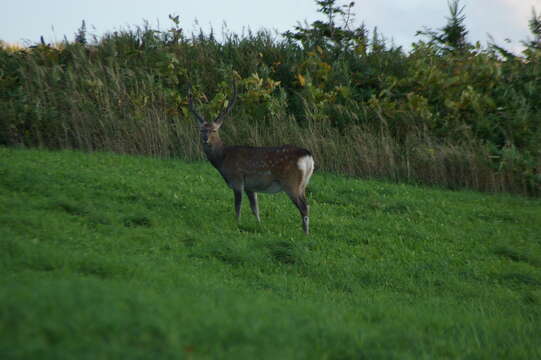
(23, 21)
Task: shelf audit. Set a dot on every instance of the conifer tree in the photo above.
(453, 36)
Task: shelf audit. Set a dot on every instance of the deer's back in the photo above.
(249, 158)
(262, 168)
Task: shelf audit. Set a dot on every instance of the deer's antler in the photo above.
(230, 105)
(200, 120)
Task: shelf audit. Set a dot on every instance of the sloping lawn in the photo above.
(108, 256)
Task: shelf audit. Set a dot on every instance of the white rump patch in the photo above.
(306, 166)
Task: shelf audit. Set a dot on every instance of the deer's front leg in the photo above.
(252, 196)
(237, 185)
(238, 203)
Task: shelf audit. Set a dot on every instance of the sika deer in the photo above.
(257, 169)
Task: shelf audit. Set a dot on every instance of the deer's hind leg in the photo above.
(304, 209)
(299, 199)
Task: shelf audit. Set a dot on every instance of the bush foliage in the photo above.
(447, 112)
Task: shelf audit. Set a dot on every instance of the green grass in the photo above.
(109, 256)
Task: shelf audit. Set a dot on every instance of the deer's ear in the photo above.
(216, 125)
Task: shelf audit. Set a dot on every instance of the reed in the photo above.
(456, 121)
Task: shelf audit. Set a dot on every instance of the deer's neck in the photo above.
(215, 152)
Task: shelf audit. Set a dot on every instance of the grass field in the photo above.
(109, 256)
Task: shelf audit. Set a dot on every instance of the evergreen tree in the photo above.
(328, 34)
(80, 36)
(453, 36)
(534, 46)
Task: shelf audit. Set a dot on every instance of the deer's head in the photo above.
(209, 130)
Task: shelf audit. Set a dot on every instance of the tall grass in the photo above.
(374, 112)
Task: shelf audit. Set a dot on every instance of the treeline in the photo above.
(447, 112)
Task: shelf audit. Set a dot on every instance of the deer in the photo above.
(252, 170)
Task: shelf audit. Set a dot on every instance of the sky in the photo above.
(24, 21)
